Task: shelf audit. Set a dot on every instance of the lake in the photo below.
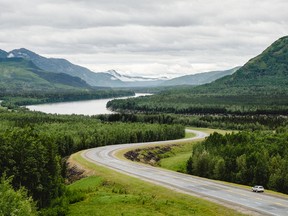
(87, 107)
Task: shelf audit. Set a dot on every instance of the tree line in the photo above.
(13, 100)
(200, 104)
(231, 122)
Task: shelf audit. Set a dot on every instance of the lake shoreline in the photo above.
(82, 107)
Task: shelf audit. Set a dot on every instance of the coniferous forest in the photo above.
(33, 148)
(246, 158)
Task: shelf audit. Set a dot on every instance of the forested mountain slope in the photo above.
(267, 72)
(17, 74)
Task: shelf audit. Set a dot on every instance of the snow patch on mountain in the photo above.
(10, 55)
(129, 78)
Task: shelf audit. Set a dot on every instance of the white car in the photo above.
(258, 188)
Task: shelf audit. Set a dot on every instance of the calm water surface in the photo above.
(87, 107)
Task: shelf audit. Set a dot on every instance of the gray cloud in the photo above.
(145, 37)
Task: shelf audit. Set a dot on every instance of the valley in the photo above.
(251, 102)
(143, 108)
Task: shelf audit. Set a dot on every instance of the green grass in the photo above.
(176, 160)
(111, 193)
(189, 135)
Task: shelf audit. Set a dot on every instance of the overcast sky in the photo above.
(145, 37)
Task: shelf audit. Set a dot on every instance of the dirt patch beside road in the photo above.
(75, 172)
(150, 155)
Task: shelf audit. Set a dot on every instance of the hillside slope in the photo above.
(57, 65)
(266, 73)
(3, 54)
(18, 74)
(200, 78)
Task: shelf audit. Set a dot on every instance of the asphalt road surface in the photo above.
(238, 198)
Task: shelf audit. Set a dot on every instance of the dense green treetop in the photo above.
(249, 158)
(15, 202)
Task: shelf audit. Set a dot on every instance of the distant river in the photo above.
(87, 107)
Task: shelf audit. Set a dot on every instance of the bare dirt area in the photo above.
(75, 171)
(150, 155)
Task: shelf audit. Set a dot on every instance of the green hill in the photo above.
(17, 74)
(266, 73)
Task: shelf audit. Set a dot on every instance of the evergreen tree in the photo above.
(15, 202)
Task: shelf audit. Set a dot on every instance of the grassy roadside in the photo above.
(179, 155)
(107, 192)
(176, 158)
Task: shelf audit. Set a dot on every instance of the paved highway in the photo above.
(238, 198)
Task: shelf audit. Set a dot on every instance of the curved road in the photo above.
(241, 199)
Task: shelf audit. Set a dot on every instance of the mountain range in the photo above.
(56, 65)
(109, 78)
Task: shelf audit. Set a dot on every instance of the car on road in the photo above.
(258, 188)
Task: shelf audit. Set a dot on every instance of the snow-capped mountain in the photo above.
(129, 78)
